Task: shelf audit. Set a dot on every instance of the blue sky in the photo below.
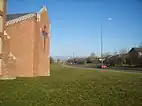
(75, 24)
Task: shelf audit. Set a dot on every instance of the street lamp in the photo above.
(102, 43)
(101, 47)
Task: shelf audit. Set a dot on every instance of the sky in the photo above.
(76, 24)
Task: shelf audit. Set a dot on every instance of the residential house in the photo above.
(135, 55)
(116, 59)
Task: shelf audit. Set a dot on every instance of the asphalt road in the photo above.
(106, 69)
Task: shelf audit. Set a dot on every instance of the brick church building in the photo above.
(25, 45)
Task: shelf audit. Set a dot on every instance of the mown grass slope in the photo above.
(74, 87)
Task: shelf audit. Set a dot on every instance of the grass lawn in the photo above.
(74, 87)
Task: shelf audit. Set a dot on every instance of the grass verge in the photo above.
(74, 87)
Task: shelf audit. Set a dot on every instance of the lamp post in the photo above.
(101, 46)
(102, 42)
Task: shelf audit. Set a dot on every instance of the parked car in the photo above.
(104, 66)
(101, 66)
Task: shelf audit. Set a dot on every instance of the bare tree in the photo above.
(123, 57)
(115, 53)
(106, 54)
(92, 54)
(140, 45)
(123, 51)
(51, 60)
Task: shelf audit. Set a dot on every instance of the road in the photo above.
(97, 69)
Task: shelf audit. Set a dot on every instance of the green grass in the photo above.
(74, 87)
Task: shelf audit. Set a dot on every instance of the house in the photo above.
(29, 43)
(116, 59)
(135, 55)
(112, 59)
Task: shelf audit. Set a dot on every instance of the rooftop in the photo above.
(14, 16)
(136, 49)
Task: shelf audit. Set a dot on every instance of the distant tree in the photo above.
(123, 51)
(69, 60)
(58, 60)
(93, 60)
(92, 54)
(51, 60)
(115, 53)
(106, 54)
(140, 45)
(88, 60)
(81, 61)
(123, 57)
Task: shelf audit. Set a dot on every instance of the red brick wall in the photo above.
(27, 45)
(22, 46)
(44, 59)
(36, 48)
